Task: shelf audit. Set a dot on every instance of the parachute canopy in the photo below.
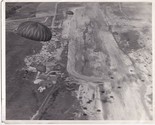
(69, 12)
(34, 31)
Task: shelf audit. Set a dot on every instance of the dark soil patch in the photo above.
(20, 10)
(20, 101)
(67, 5)
(63, 108)
(129, 41)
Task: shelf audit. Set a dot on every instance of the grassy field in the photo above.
(23, 98)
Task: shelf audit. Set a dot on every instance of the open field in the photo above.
(98, 63)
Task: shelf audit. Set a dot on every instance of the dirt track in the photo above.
(101, 56)
(127, 102)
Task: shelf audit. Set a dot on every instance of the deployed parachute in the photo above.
(69, 12)
(34, 31)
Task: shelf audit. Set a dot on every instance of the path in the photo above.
(125, 102)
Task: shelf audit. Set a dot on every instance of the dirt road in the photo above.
(95, 59)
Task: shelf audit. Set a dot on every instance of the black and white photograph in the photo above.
(78, 61)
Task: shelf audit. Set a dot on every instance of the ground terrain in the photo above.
(98, 62)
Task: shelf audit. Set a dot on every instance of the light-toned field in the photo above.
(99, 58)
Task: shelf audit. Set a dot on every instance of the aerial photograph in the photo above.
(78, 61)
